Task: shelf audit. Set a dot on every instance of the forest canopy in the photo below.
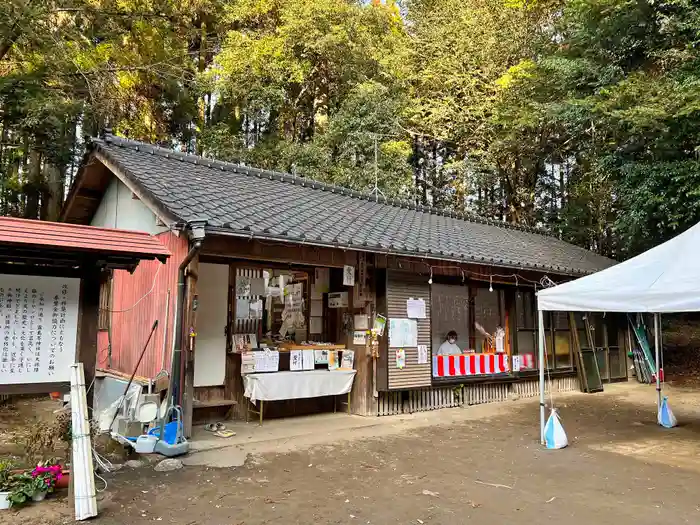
(579, 117)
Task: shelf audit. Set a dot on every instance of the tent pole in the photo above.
(540, 322)
(657, 348)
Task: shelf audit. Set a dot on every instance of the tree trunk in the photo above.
(32, 188)
(53, 197)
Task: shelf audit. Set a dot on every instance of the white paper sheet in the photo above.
(308, 360)
(359, 337)
(242, 308)
(361, 322)
(422, 354)
(415, 308)
(400, 358)
(348, 275)
(348, 360)
(321, 357)
(403, 333)
(242, 285)
(295, 360)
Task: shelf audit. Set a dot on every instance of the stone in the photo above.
(168, 465)
(134, 463)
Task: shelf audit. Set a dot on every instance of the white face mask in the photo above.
(452, 341)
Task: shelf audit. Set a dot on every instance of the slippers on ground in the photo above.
(225, 433)
(220, 426)
(211, 427)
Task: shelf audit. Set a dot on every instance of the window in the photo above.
(450, 309)
(489, 308)
(557, 333)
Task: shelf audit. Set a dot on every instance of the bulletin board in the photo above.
(38, 328)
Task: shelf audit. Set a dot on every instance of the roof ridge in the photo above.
(221, 165)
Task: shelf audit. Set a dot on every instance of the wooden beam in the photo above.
(88, 313)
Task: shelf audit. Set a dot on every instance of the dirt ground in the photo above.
(621, 468)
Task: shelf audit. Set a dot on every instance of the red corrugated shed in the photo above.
(44, 235)
(138, 299)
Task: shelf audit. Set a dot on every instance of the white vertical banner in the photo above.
(38, 328)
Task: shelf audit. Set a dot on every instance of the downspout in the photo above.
(196, 236)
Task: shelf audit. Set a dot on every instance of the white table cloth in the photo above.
(278, 386)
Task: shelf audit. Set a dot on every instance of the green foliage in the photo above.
(578, 116)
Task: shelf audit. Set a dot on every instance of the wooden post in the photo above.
(88, 314)
(190, 339)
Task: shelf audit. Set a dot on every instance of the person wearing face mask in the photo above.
(449, 346)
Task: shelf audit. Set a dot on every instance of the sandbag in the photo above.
(666, 418)
(554, 435)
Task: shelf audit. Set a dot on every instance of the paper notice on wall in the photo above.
(422, 354)
(322, 279)
(321, 357)
(415, 308)
(316, 325)
(242, 308)
(308, 360)
(256, 309)
(403, 333)
(242, 285)
(348, 275)
(359, 337)
(516, 363)
(400, 358)
(295, 360)
(361, 322)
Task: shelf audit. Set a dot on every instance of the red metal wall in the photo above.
(139, 299)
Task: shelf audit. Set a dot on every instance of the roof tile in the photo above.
(245, 199)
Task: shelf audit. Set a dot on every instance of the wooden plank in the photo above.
(213, 403)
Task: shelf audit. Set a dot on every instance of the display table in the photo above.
(470, 365)
(281, 386)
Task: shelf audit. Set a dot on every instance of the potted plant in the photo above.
(22, 489)
(5, 484)
(45, 476)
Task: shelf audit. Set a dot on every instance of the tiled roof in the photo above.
(264, 204)
(47, 236)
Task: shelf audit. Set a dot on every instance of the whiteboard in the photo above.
(38, 328)
(403, 333)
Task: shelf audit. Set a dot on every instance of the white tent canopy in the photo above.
(663, 279)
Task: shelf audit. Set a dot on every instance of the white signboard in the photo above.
(38, 328)
(422, 354)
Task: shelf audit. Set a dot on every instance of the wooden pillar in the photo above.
(88, 313)
(189, 340)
